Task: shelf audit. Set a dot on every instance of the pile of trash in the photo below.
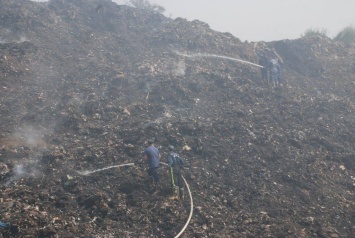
(85, 83)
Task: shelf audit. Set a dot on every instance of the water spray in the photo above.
(199, 55)
(87, 172)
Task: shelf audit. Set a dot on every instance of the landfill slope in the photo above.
(84, 84)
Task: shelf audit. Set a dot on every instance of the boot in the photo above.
(175, 193)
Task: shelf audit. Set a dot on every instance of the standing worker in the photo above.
(175, 164)
(275, 72)
(152, 156)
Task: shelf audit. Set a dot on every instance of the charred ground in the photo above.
(82, 87)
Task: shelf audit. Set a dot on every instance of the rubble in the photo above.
(83, 85)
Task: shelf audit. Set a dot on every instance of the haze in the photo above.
(260, 20)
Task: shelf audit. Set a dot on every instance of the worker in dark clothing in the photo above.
(263, 61)
(152, 156)
(175, 164)
(275, 72)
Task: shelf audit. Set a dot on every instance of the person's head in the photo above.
(150, 141)
(171, 148)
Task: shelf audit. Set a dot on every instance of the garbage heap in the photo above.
(84, 84)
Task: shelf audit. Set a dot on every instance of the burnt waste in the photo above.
(84, 84)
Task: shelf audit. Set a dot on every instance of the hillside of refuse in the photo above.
(85, 83)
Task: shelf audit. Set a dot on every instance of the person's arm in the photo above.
(170, 161)
(145, 157)
(182, 162)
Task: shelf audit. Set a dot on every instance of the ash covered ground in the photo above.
(84, 84)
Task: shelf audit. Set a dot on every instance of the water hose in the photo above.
(191, 209)
(130, 164)
(191, 206)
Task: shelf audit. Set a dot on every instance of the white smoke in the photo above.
(175, 67)
(21, 39)
(180, 68)
(22, 171)
(32, 138)
(7, 36)
(29, 135)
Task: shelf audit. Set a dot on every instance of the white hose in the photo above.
(191, 206)
(130, 164)
(191, 209)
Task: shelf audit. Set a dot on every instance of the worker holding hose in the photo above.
(152, 155)
(275, 72)
(175, 164)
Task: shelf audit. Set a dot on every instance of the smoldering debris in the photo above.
(21, 171)
(74, 98)
(29, 136)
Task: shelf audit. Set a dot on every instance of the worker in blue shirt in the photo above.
(152, 156)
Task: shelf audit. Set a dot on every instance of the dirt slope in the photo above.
(83, 84)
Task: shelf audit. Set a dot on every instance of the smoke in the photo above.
(19, 39)
(21, 171)
(29, 136)
(29, 141)
(7, 36)
(175, 67)
(180, 68)
(22, 39)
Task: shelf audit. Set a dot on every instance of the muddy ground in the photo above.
(84, 84)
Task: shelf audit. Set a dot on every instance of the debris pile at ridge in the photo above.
(84, 84)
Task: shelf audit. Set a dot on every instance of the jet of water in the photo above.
(87, 172)
(199, 55)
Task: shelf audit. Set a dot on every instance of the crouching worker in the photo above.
(175, 164)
